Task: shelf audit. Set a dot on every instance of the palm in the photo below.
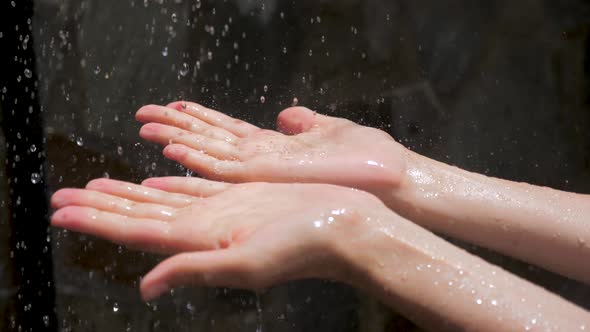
(312, 148)
(263, 239)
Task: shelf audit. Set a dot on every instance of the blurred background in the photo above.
(497, 87)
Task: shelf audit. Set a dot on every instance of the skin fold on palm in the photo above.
(308, 148)
(219, 234)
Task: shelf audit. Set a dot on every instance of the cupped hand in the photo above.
(308, 148)
(249, 235)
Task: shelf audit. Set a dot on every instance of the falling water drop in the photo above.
(28, 73)
(33, 148)
(165, 51)
(115, 307)
(35, 178)
(80, 141)
(262, 99)
(184, 69)
(265, 88)
(295, 101)
(174, 17)
(120, 150)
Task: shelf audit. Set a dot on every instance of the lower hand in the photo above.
(250, 235)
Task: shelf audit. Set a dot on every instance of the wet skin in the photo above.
(313, 148)
(254, 235)
(309, 148)
(257, 235)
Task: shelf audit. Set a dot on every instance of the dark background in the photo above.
(497, 87)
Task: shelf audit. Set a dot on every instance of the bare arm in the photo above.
(257, 235)
(540, 225)
(445, 288)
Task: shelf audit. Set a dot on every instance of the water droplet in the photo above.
(262, 99)
(115, 307)
(33, 148)
(35, 178)
(165, 51)
(120, 150)
(174, 17)
(97, 70)
(184, 69)
(28, 73)
(295, 101)
(46, 320)
(80, 141)
(478, 301)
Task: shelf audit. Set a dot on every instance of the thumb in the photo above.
(296, 120)
(219, 268)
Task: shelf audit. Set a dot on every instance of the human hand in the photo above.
(250, 235)
(309, 147)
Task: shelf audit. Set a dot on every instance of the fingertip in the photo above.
(148, 130)
(152, 182)
(150, 289)
(141, 114)
(175, 151)
(58, 198)
(96, 184)
(177, 105)
(295, 120)
(64, 216)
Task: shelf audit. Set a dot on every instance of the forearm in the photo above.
(547, 227)
(442, 287)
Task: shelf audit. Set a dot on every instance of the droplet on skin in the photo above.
(374, 163)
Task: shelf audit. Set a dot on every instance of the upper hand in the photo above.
(308, 147)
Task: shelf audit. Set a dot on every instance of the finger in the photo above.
(219, 268)
(175, 118)
(110, 203)
(138, 193)
(235, 126)
(188, 186)
(206, 165)
(165, 135)
(296, 120)
(148, 234)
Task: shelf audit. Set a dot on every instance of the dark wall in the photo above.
(498, 87)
